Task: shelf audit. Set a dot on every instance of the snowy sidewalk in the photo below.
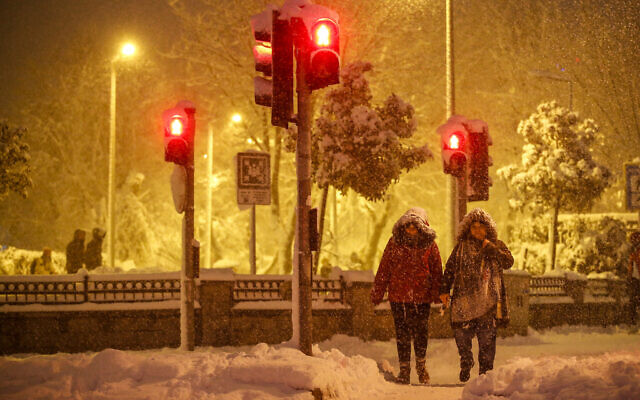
(563, 363)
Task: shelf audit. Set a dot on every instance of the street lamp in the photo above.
(556, 77)
(127, 50)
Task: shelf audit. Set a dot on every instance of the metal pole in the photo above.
(187, 331)
(111, 224)
(208, 246)
(303, 172)
(453, 183)
(252, 244)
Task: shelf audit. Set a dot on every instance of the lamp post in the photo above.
(127, 50)
(555, 77)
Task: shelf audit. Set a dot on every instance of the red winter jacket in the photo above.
(411, 275)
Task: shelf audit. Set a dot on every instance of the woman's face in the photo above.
(478, 230)
(411, 230)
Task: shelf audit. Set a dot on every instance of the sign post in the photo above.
(632, 187)
(253, 187)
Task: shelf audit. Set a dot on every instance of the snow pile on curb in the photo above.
(113, 374)
(611, 376)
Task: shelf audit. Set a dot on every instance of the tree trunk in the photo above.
(323, 212)
(553, 233)
(378, 226)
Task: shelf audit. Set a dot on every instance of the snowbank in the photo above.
(264, 372)
(611, 376)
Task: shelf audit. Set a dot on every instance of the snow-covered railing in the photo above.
(547, 286)
(278, 288)
(83, 288)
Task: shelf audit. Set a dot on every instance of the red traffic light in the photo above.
(177, 125)
(455, 141)
(178, 132)
(324, 33)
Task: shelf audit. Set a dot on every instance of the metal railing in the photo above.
(547, 286)
(78, 289)
(279, 289)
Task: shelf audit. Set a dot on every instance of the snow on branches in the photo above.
(557, 169)
(14, 161)
(359, 146)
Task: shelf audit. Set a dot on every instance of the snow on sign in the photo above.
(632, 177)
(254, 182)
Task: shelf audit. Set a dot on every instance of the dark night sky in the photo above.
(34, 31)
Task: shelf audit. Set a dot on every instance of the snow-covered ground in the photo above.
(563, 363)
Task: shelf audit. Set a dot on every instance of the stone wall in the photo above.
(222, 322)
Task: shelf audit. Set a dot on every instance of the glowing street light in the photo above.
(126, 51)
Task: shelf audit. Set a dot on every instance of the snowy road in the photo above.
(565, 363)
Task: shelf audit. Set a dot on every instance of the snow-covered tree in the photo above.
(360, 146)
(135, 238)
(557, 171)
(14, 161)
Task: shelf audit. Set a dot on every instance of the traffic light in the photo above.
(273, 56)
(478, 179)
(321, 40)
(454, 140)
(178, 132)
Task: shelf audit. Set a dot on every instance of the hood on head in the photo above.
(79, 235)
(477, 215)
(418, 217)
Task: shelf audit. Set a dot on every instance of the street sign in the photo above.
(254, 178)
(632, 186)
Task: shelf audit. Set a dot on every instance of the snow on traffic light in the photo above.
(320, 38)
(478, 179)
(465, 152)
(454, 141)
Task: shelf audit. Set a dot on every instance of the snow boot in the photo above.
(465, 374)
(405, 373)
(421, 370)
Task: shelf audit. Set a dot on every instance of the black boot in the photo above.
(405, 373)
(421, 370)
(465, 373)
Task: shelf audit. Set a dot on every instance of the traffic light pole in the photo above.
(303, 172)
(187, 287)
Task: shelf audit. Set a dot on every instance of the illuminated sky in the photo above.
(34, 31)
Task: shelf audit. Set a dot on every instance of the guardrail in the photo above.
(250, 288)
(78, 289)
(547, 286)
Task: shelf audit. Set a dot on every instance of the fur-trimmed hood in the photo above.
(480, 215)
(418, 217)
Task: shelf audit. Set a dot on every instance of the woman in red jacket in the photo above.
(411, 270)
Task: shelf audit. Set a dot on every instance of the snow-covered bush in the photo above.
(586, 244)
(15, 261)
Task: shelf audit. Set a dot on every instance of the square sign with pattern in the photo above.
(254, 178)
(632, 175)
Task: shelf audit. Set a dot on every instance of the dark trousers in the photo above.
(634, 298)
(485, 329)
(412, 323)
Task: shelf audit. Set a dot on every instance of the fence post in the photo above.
(216, 301)
(575, 289)
(363, 317)
(85, 290)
